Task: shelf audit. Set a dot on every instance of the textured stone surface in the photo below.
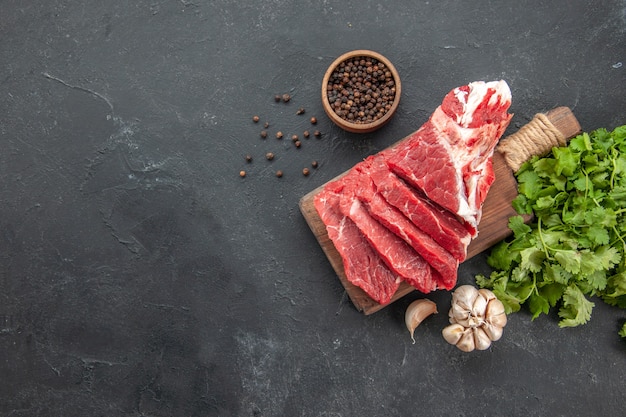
(141, 276)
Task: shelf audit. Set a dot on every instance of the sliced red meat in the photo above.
(362, 265)
(449, 157)
(427, 191)
(443, 227)
(436, 256)
(397, 254)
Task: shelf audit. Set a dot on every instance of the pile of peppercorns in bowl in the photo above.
(361, 91)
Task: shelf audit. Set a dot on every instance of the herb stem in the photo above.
(586, 183)
(612, 181)
(620, 238)
(543, 242)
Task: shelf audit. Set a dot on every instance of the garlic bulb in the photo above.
(476, 319)
(416, 312)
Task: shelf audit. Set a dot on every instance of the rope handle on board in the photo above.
(539, 136)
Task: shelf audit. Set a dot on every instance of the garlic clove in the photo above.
(499, 320)
(451, 318)
(459, 313)
(496, 316)
(479, 307)
(464, 296)
(481, 339)
(493, 332)
(416, 312)
(468, 322)
(452, 333)
(495, 308)
(466, 342)
(487, 294)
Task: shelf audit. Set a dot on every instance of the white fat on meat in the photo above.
(458, 135)
(472, 99)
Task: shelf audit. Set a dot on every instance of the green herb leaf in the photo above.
(522, 206)
(567, 161)
(537, 305)
(609, 257)
(576, 308)
(615, 288)
(554, 273)
(580, 143)
(519, 228)
(552, 293)
(529, 184)
(501, 257)
(532, 259)
(570, 260)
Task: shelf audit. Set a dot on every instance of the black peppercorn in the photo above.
(242, 173)
(263, 134)
(297, 143)
(313, 120)
(306, 134)
(279, 135)
(314, 164)
(300, 110)
(276, 98)
(294, 137)
(317, 133)
(269, 156)
(255, 119)
(279, 173)
(305, 172)
(286, 98)
(248, 158)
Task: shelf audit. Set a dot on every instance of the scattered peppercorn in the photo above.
(242, 173)
(314, 164)
(300, 110)
(313, 120)
(305, 172)
(269, 156)
(306, 134)
(279, 173)
(248, 158)
(317, 133)
(263, 134)
(294, 137)
(297, 143)
(255, 119)
(286, 98)
(266, 125)
(276, 98)
(279, 135)
(361, 90)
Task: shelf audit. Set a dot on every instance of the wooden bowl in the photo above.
(352, 126)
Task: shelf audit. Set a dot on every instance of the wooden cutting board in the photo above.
(493, 227)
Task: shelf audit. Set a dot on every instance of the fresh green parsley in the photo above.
(574, 248)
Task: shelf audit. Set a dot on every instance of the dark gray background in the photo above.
(140, 276)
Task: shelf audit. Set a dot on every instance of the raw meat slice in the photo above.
(361, 184)
(396, 253)
(362, 265)
(443, 227)
(449, 157)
